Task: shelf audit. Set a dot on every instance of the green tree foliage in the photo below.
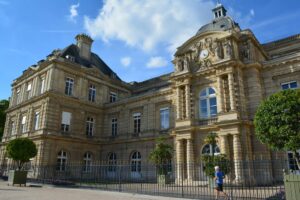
(212, 160)
(161, 155)
(3, 106)
(21, 150)
(277, 121)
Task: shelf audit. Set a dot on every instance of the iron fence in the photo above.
(261, 179)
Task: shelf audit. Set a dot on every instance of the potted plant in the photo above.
(211, 160)
(161, 157)
(20, 150)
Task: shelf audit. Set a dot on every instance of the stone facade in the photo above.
(70, 101)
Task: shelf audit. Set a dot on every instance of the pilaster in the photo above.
(231, 91)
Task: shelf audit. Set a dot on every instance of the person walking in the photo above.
(219, 176)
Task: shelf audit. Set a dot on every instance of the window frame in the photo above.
(164, 119)
(112, 97)
(137, 123)
(289, 85)
(114, 127)
(90, 126)
(87, 162)
(65, 127)
(69, 86)
(207, 99)
(61, 161)
(92, 93)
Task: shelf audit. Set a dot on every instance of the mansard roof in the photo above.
(219, 24)
(72, 50)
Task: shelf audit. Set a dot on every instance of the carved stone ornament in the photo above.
(245, 51)
(228, 49)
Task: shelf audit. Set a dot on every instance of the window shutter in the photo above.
(29, 87)
(24, 120)
(66, 118)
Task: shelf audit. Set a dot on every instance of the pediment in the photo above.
(202, 51)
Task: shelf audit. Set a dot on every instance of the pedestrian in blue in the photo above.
(219, 176)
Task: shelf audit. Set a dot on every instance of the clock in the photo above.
(203, 54)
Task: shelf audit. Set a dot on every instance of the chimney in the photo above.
(84, 43)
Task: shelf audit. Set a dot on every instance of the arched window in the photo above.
(61, 161)
(87, 162)
(209, 150)
(136, 161)
(112, 162)
(208, 103)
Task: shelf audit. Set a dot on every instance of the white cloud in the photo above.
(243, 19)
(252, 13)
(146, 23)
(125, 61)
(73, 12)
(157, 62)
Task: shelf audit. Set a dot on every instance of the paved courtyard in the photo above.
(57, 193)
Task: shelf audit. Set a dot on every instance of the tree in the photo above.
(3, 106)
(161, 155)
(277, 122)
(212, 160)
(21, 150)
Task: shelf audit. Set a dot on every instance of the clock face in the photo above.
(203, 54)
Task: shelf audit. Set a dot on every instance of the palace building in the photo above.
(75, 108)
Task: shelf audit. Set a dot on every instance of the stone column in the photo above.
(237, 157)
(18, 124)
(187, 101)
(190, 159)
(178, 113)
(48, 81)
(30, 119)
(220, 96)
(6, 127)
(224, 146)
(179, 159)
(231, 91)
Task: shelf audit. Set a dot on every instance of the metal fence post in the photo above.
(120, 170)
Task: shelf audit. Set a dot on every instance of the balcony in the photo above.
(207, 122)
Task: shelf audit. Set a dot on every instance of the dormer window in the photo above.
(70, 58)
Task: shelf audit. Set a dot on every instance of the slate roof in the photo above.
(96, 61)
(219, 24)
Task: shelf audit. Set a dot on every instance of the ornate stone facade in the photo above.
(73, 105)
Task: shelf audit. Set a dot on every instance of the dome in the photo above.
(219, 24)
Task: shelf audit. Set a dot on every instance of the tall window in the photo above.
(208, 149)
(18, 96)
(23, 124)
(87, 162)
(89, 126)
(289, 85)
(137, 123)
(65, 121)
(112, 97)
(61, 162)
(92, 93)
(112, 162)
(28, 91)
(292, 164)
(42, 84)
(36, 120)
(164, 118)
(12, 128)
(114, 127)
(136, 162)
(208, 103)
(69, 86)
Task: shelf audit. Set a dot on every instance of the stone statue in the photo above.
(228, 49)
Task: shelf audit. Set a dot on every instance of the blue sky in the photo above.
(136, 38)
